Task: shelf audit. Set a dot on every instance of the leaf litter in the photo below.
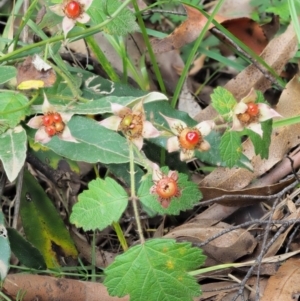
(215, 229)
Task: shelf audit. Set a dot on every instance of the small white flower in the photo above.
(73, 11)
(248, 114)
(188, 139)
(132, 122)
(50, 124)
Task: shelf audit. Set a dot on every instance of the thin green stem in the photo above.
(4, 297)
(71, 36)
(121, 236)
(35, 96)
(102, 60)
(149, 48)
(133, 194)
(74, 90)
(192, 54)
(286, 121)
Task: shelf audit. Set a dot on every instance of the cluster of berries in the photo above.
(53, 123)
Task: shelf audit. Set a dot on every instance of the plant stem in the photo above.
(192, 53)
(133, 194)
(71, 36)
(35, 96)
(149, 48)
(121, 236)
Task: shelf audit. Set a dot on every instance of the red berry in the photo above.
(253, 109)
(47, 120)
(72, 9)
(50, 130)
(166, 188)
(192, 137)
(57, 117)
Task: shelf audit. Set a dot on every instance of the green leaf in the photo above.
(123, 24)
(261, 144)
(96, 86)
(13, 147)
(99, 206)
(282, 10)
(223, 101)
(231, 148)
(25, 252)
(156, 270)
(97, 143)
(42, 224)
(7, 73)
(121, 172)
(13, 108)
(4, 249)
(103, 105)
(190, 195)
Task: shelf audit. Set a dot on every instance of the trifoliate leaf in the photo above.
(99, 206)
(223, 101)
(156, 270)
(190, 195)
(231, 148)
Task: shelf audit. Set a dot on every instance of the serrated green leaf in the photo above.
(13, 147)
(99, 206)
(153, 110)
(42, 224)
(7, 73)
(13, 108)
(121, 172)
(190, 195)
(25, 252)
(261, 144)
(282, 10)
(97, 143)
(156, 270)
(4, 249)
(231, 148)
(222, 101)
(123, 24)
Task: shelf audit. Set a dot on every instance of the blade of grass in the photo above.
(149, 48)
(189, 61)
(294, 16)
(101, 58)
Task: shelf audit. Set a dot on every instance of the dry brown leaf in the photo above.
(212, 192)
(248, 32)
(282, 237)
(185, 33)
(282, 140)
(236, 9)
(226, 248)
(245, 29)
(34, 69)
(45, 288)
(284, 286)
(197, 64)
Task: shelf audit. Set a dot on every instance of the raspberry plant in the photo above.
(127, 127)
